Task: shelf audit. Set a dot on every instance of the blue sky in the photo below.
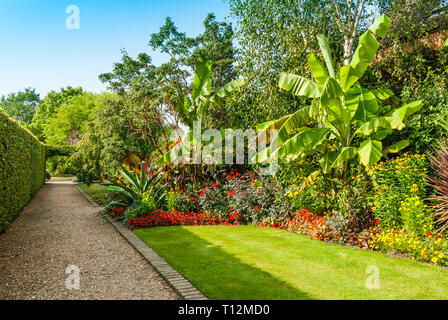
(38, 50)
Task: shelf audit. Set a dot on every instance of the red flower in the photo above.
(278, 188)
(202, 192)
(256, 208)
(251, 175)
(429, 234)
(275, 179)
(214, 185)
(377, 222)
(181, 191)
(237, 174)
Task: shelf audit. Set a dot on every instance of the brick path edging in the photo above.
(176, 280)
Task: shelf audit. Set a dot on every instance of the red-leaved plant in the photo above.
(439, 163)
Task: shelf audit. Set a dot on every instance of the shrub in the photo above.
(22, 168)
(251, 195)
(394, 182)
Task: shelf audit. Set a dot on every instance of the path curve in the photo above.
(58, 228)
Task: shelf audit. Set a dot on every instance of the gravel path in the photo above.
(59, 228)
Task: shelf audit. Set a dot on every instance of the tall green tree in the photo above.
(21, 105)
(49, 106)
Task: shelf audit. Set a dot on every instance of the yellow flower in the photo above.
(441, 255)
(434, 259)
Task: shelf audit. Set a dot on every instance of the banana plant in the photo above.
(343, 123)
(191, 108)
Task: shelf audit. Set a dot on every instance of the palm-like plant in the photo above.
(341, 113)
(137, 184)
(191, 108)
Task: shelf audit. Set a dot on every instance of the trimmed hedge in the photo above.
(22, 168)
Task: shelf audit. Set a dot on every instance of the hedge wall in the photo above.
(22, 168)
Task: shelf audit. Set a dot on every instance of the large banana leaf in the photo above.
(370, 152)
(364, 54)
(367, 107)
(202, 84)
(375, 125)
(327, 161)
(346, 154)
(305, 140)
(347, 77)
(230, 87)
(331, 90)
(382, 94)
(397, 147)
(381, 26)
(298, 85)
(407, 110)
(326, 52)
(318, 71)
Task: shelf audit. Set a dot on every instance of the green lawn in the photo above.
(249, 262)
(95, 191)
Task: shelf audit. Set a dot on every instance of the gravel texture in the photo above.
(58, 228)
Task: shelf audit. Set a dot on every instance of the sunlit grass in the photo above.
(250, 262)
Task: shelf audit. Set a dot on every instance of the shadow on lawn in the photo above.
(216, 273)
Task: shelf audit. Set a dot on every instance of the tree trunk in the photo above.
(348, 48)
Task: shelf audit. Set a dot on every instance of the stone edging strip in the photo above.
(176, 280)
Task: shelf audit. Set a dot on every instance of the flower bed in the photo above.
(159, 218)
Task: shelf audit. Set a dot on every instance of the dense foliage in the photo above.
(22, 168)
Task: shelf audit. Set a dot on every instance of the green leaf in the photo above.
(382, 94)
(298, 119)
(397, 147)
(367, 107)
(374, 125)
(202, 84)
(326, 52)
(230, 87)
(407, 110)
(298, 85)
(327, 160)
(331, 90)
(305, 140)
(348, 77)
(364, 54)
(318, 71)
(381, 26)
(370, 152)
(346, 154)
(382, 134)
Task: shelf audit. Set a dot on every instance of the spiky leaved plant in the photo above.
(439, 164)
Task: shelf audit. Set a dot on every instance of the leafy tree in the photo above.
(274, 36)
(21, 105)
(50, 104)
(68, 123)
